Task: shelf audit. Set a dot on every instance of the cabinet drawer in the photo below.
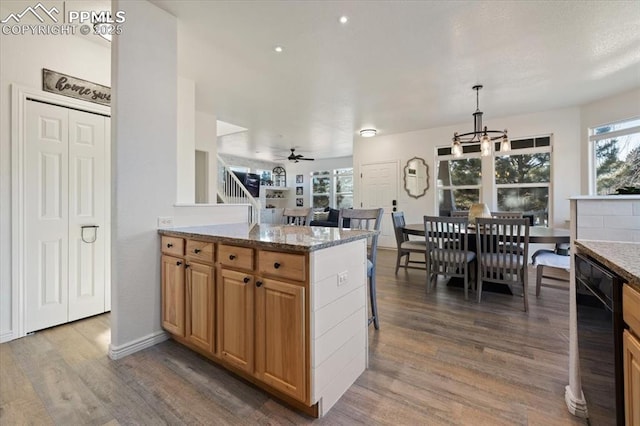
(631, 308)
(237, 257)
(282, 265)
(173, 245)
(199, 250)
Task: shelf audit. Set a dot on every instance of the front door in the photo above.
(379, 184)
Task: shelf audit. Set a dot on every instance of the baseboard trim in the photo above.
(576, 406)
(7, 336)
(118, 352)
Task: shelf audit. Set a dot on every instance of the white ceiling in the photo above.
(395, 66)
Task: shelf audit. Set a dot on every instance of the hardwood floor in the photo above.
(437, 359)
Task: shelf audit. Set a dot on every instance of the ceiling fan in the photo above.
(296, 157)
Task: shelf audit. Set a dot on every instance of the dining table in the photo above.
(537, 234)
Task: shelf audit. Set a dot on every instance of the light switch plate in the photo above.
(343, 278)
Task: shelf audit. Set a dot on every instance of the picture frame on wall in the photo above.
(299, 190)
(299, 202)
(299, 179)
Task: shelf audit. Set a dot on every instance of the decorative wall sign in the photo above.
(73, 87)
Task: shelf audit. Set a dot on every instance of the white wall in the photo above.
(564, 124)
(186, 147)
(144, 132)
(305, 168)
(609, 110)
(22, 58)
(144, 129)
(206, 140)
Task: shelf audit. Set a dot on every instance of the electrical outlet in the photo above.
(165, 221)
(342, 278)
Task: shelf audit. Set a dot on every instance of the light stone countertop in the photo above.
(282, 237)
(623, 258)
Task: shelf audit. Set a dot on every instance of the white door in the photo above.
(65, 189)
(379, 184)
(47, 217)
(86, 211)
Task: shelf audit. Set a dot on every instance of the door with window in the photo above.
(65, 198)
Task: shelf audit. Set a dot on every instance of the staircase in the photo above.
(232, 191)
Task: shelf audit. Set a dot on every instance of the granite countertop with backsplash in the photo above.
(623, 258)
(281, 237)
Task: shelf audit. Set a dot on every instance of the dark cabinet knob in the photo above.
(258, 283)
(276, 265)
(169, 245)
(196, 251)
(186, 265)
(232, 256)
(178, 263)
(246, 280)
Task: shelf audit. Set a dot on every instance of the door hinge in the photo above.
(360, 175)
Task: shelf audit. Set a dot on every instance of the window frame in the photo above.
(333, 175)
(594, 138)
(488, 186)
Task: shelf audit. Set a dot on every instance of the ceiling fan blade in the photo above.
(308, 159)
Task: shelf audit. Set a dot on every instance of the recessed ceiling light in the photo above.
(278, 49)
(368, 133)
(343, 19)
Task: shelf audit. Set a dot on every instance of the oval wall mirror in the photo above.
(416, 177)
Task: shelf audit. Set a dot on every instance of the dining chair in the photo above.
(448, 249)
(300, 217)
(556, 259)
(460, 213)
(369, 219)
(406, 246)
(502, 246)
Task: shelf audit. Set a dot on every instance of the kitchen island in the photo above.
(282, 306)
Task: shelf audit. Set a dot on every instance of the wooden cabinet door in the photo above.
(631, 378)
(235, 293)
(281, 358)
(200, 306)
(173, 295)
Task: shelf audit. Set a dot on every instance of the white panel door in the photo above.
(66, 187)
(379, 184)
(86, 209)
(46, 213)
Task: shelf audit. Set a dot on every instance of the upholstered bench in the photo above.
(551, 259)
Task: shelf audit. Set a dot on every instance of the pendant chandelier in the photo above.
(480, 134)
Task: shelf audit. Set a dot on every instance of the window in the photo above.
(459, 182)
(521, 181)
(616, 157)
(522, 184)
(332, 188)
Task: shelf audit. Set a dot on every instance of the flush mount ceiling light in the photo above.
(368, 133)
(480, 134)
(278, 49)
(343, 19)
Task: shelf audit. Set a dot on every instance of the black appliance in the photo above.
(600, 326)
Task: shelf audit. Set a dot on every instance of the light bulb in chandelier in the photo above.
(505, 145)
(485, 144)
(456, 149)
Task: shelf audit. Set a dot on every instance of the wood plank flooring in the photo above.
(437, 360)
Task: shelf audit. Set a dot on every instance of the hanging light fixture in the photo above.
(480, 134)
